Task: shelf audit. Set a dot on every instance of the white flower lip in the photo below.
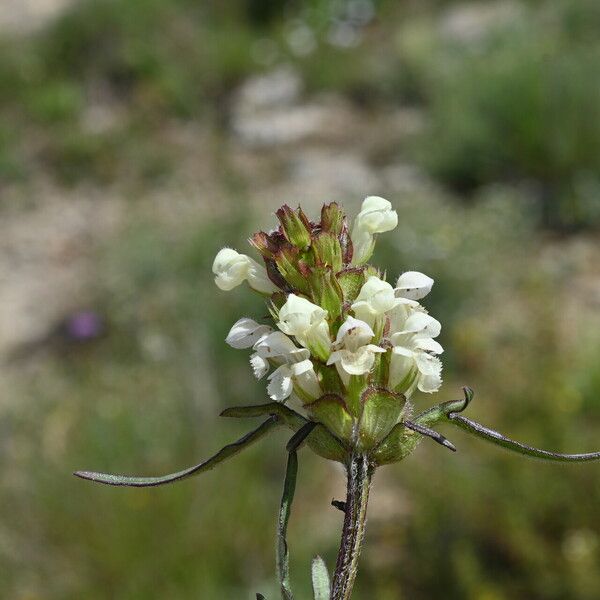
(353, 352)
(245, 333)
(413, 285)
(232, 268)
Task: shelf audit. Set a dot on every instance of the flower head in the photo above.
(339, 329)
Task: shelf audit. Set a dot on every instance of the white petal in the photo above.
(335, 357)
(403, 351)
(422, 324)
(245, 333)
(357, 363)
(376, 215)
(428, 364)
(301, 367)
(413, 285)
(258, 278)
(280, 384)
(353, 324)
(431, 382)
(428, 345)
(374, 348)
(275, 344)
(230, 268)
(400, 367)
(260, 365)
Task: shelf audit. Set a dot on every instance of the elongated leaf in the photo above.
(320, 579)
(287, 416)
(500, 440)
(300, 436)
(430, 433)
(227, 452)
(289, 488)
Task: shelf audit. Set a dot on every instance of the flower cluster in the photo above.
(342, 338)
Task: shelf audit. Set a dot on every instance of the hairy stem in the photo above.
(353, 532)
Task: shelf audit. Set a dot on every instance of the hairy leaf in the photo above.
(320, 579)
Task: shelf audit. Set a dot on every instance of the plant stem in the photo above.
(353, 532)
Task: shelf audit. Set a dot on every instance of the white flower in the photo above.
(376, 216)
(232, 268)
(376, 297)
(307, 322)
(245, 333)
(413, 285)
(353, 353)
(414, 363)
(293, 363)
(281, 381)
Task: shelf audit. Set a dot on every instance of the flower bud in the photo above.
(327, 250)
(292, 268)
(332, 218)
(351, 281)
(232, 268)
(326, 291)
(295, 226)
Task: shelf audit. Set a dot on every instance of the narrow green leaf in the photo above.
(289, 488)
(227, 452)
(500, 440)
(430, 433)
(300, 436)
(320, 579)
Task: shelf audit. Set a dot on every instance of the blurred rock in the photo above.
(267, 111)
(472, 21)
(278, 88)
(331, 170)
(24, 16)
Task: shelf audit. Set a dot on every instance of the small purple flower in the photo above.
(84, 325)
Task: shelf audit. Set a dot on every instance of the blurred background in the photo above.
(138, 137)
